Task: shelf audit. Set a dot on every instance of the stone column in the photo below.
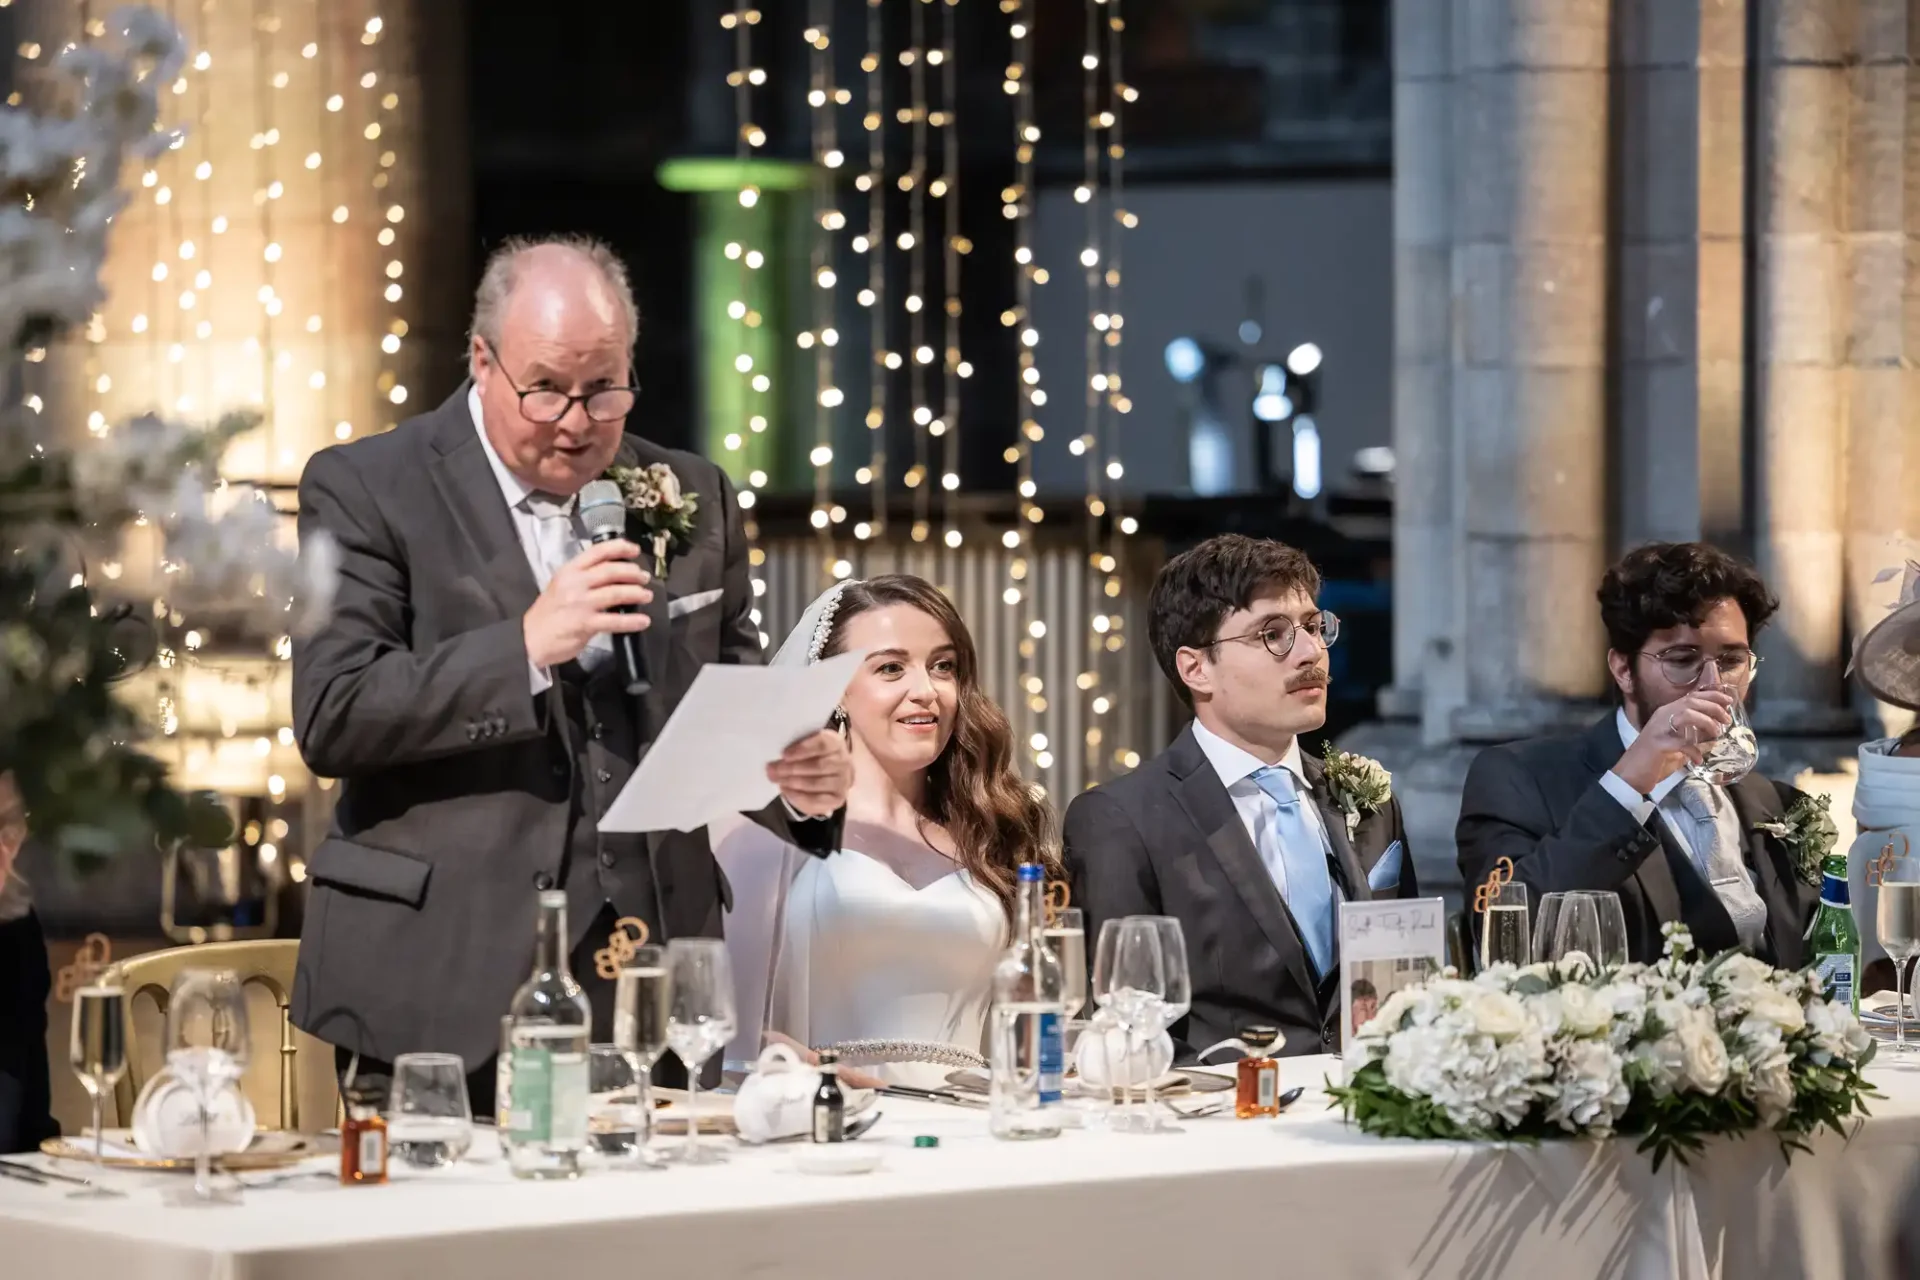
(1422, 365)
(1680, 88)
(1806, 48)
(1529, 371)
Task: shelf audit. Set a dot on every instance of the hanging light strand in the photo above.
(266, 191)
(953, 366)
(914, 241)
(329, 179)
(1017, 206)
(748, 138)
(874, 245)
(384, 97)
(822, 338)
(207, 246)
(1086, 445)
(1119, 526)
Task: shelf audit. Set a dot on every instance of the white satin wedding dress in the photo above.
(827, 950)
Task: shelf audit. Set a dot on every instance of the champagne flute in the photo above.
(1066, 933)
(642, 1005)
(1129, 982)
(1576, 932)
(1175, 1002)
(1897, 920)
(1504, 936)
(207, 1048)
(1612, 937)
(700, 1021)
(1731, 756)
(97, 1051)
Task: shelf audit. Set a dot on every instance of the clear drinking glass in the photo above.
(1175, 1002)
(429, 1117)
(1066, 933)
(1731, 756)
(1897, 920)
(208, 1046)
(700, 1021)
(642, 1004)
(97, 1051)
(1504, 936)
(1129, 984)
(616, 1122)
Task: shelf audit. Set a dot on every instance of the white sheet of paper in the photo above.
(1391, 943)
(712, 757)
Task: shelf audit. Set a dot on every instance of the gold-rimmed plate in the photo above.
(274, 1149)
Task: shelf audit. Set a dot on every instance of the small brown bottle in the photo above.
(363, 1137)
(1259, 1085)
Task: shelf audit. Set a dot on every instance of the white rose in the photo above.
(1772, 1087)
(1743, 975)
(1703, 1056)
(1777, 1008)
(1584, 1011)
(1498, 1015)
(668, 485)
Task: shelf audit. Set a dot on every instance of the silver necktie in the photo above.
(1724, 868)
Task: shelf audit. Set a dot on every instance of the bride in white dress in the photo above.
(894, 938)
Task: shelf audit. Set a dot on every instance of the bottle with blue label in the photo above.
(1833, 941)
(1025, 1038)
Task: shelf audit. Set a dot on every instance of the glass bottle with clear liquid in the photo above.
(1026, 1028)
(549, 1024)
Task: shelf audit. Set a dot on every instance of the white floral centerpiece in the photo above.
(1672, 1053)
(80, 601)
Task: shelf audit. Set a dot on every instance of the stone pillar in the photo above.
(1529, 371)
(1806, 48)
(1423, 538)
(1680, 88)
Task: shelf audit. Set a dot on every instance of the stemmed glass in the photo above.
(1588, 922)
(700, 1021)
(642, 1006)
(1176, 1000)
(1731, 756)
(1504, 936)
(1129, 984)
(97, 1051)
(1066, 933)
(1897, 919)
(208, 1047)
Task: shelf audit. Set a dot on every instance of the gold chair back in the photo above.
(265, 966)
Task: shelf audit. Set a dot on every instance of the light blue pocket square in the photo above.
(1385, 874)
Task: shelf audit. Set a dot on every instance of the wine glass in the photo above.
(1066, 933)
(1576, 932)
(1175, 1002)
(700, 1021)
(97, 1051)
(208, 1046)
(1731, 756)
(1897, 920)
(429, 1118)
(642, 1004)
(1129, 983)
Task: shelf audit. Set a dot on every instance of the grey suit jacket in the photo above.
(1167, 840)
(1540, 804)
(457, 782)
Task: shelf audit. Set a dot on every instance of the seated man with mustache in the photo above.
(1232, 830)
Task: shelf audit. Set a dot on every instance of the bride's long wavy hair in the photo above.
(997, 820)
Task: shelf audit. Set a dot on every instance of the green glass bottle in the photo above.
(1833, 943)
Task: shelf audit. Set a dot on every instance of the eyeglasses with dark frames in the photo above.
(546, 405)
(1278, 636)
(1684, 665)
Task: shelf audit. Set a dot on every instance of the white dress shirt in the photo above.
(1258, 812)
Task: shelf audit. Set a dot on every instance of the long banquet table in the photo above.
(1302, 1195)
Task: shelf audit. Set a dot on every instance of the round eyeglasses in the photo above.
(546, 406)
(1278, 636)
(1683, 667)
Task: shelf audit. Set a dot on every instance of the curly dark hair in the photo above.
(1197, 589)
(1675, 584)
(996, 819)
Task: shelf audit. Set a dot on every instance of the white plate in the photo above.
(838, 1158)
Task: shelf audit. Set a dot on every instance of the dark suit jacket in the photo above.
(1167, 840)
(458, 783)
(1540, 803)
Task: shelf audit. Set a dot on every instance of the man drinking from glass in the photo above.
(1654, 802)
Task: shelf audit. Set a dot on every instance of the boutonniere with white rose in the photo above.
(1357, 785)
(1808, 832)
(667, 511)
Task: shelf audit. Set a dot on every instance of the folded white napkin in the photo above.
(166, 1120)
(1107, 1056)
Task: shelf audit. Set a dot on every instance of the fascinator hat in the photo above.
(1887, 658)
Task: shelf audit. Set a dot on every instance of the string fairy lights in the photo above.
(946, 188)
(1106, 381)
(824, 98)
(914, 241)
(748, 138)
(873, 244)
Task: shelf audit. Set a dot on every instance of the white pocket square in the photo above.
(689, 604)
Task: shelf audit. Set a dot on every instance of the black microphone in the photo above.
(604, 512)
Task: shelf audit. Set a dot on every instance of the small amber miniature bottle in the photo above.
(363, 1138)
(1259, 1087)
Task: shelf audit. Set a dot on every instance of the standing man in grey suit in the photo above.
(1233, 830)
(463, 691)
(1613, 808)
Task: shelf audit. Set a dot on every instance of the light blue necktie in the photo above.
(1309, 887)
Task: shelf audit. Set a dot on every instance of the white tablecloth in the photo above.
(1302, 1195)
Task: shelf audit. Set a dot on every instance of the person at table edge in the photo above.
(1233, 830)
(463, 690)
(1612, 808)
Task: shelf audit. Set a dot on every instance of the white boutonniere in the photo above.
(653, 493)
(1357, 785)
(1808, 832)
